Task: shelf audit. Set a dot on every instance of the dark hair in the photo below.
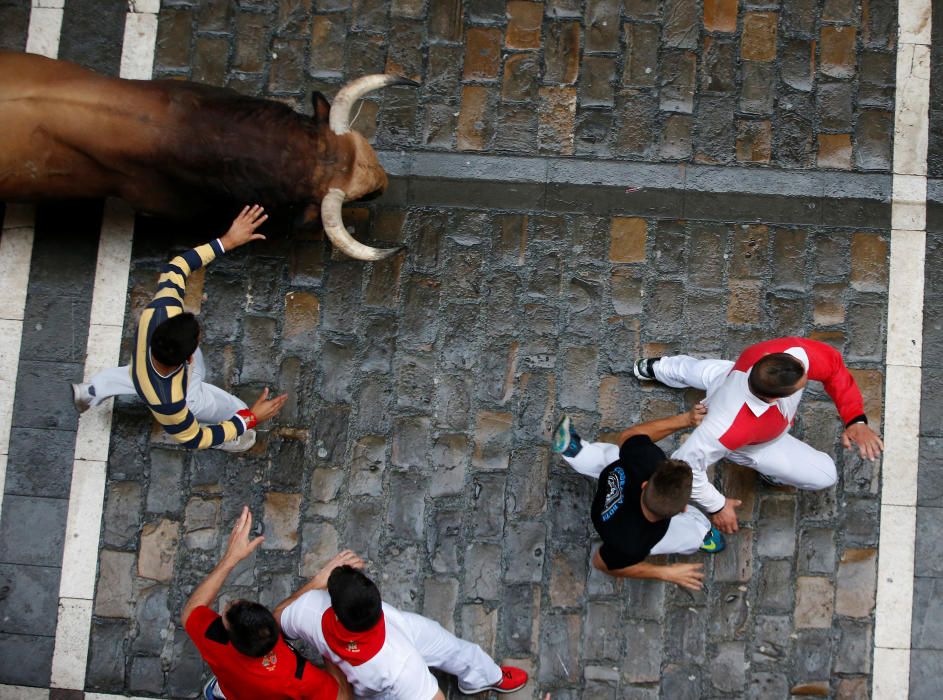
(354, 598)
(775, 376)
(252, 628)
(669, 488)
(175, 340)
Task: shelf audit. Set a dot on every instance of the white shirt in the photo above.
(396, 672)
(736, 420)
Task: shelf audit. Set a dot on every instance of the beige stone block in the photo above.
(158, 550)
(815, 601)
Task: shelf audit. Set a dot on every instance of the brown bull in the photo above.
(177, 148)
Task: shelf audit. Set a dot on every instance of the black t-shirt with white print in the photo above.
(627, 535)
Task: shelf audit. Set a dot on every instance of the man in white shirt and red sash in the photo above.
(753, 403)
(384, 652)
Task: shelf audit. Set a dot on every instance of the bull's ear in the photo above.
(322, 108)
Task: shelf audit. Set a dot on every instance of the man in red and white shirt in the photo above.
(384, 652)
(752, 404)
(243, 646)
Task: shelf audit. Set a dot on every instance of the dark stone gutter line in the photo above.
(657, 190)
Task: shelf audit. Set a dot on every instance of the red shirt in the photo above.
(825, 365)
(282, 674)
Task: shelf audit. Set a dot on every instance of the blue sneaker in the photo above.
(211, 690)
(565, 439)
(714, 541)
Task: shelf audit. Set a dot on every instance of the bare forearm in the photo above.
(658, 429)
(642, 570)
(207, 591)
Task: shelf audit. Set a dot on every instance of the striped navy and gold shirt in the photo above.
(166, 397)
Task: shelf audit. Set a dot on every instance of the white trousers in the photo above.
(785, 459)
(443, 650)
(686, 530)
(209, 404)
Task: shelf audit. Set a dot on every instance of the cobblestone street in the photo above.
(576, 183)
(422, 393)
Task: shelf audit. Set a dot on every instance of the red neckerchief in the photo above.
(355, 648)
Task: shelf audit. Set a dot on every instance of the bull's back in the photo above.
(66, 131)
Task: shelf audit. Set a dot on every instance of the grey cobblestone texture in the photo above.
(926, 641)
(422, 390)
(799, 84)
(935, 145)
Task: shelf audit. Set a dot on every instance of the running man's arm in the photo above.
(702, 449)
(661, 428)
(239, 548)
(826, 365)
(686, 575)
(319, 581)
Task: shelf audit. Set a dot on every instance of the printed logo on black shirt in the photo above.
(616, 482)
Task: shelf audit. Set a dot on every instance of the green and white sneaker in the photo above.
(644, 369)
(714, 541)
(565, 439)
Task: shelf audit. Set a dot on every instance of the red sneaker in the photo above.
(512, 680)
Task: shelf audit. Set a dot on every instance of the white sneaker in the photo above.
(82, 397)
(241, 444)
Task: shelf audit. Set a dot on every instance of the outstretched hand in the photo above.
(243, 227)
(240, 546)
(868, 442)
(696, 414)
(725, 519)
(345, 558)
(265, 408)
(690, 576)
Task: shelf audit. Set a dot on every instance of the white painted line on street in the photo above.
(901, 446)
(895, 578)
(912, 112)
(45, 28)
(140, 35)
(80, 555)
(114, 255)
(894, 606)
(891, 675)
(16, 251)
(89, 472)
(20, 692)
(68, 662)
(10, 334)
(905, 287)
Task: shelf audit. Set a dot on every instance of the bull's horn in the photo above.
(353, 91)
(333, 223)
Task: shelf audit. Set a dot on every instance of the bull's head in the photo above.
(358, 171)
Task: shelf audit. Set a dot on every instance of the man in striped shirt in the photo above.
(167, 368)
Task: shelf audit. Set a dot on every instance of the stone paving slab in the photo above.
(927, 645)
(422, 390)
(805, 84)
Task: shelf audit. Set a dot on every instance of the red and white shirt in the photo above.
(379, 663)
(738, 421)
